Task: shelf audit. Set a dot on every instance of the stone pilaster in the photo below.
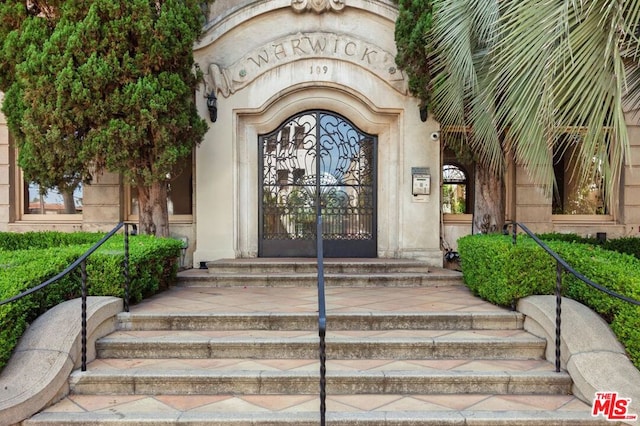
(102, 202)
(5, 172)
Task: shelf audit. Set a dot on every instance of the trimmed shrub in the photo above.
(629, 245)
(45, 239)
(569, 238)
(482, 266)
(502, 273)
(496, 270)
(153, 266)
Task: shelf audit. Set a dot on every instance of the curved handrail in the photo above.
(81, 261)
(561, 265)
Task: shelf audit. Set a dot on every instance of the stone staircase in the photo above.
(238, 345)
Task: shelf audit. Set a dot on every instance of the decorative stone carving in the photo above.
(318, 6)
(219, 81)
(294, 48)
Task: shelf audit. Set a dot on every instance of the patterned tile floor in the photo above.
(339, 300)
(299, 403)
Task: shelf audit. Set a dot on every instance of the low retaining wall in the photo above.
(590, 352)
(37, 373)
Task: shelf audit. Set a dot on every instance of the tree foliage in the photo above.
(96, 85)
(530, 70)
(413, 28)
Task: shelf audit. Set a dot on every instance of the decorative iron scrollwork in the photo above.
(317, 162)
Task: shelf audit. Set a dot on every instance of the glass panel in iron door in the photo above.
(317, 159)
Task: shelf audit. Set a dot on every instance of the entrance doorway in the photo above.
(317, 162)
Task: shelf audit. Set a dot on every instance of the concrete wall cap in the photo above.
(46, 354)
(593, 356)
(583, 330)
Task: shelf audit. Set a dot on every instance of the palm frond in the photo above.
(558, 65)
(462, 35)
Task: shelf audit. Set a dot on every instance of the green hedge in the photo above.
(45, 239)
(496, 270)
(153, 266)
(628, 245)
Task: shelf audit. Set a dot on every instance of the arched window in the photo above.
(454, 189)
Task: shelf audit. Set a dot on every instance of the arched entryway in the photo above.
(317, 162)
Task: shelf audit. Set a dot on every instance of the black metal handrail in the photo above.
(561, 266)
(322, 321)
(81, 261)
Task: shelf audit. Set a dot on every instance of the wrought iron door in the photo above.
(317, 162)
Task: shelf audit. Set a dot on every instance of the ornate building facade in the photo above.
(311, 113)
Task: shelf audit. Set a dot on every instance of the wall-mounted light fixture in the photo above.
(424, 112)
(212, 106)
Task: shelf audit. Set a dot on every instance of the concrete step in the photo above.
(309, 265)
(415, 344)
(246, 382)
(300, 272)
(342, 410)
(504, 320)
(199, 278)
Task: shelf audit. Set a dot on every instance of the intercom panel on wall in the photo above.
(420, 183)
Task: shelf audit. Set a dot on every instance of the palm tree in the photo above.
(518, 73)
